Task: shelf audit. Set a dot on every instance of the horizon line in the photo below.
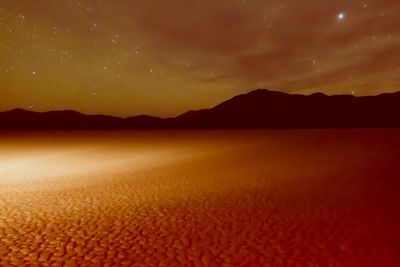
(160, 117)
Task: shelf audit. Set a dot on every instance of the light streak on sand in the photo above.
(64, 162)
(203, 198)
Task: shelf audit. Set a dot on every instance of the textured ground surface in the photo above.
(206, 198)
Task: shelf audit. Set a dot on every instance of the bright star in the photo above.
(340, 16)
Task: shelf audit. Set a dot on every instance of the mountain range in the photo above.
(259, 109)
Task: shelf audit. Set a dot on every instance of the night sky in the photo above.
(163, 58)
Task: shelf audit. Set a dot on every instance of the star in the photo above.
(109, 40)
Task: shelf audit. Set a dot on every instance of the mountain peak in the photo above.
(265, 92)
(318, 94)
(18, 110)
(258, 109)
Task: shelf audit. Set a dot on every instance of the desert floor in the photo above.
(203, 198)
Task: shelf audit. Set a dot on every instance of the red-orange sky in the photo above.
(165, 57)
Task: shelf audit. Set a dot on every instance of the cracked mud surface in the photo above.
(205, 198)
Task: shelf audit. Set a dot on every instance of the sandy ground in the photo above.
(202, 198)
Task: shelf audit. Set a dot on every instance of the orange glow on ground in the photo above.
(275, 198)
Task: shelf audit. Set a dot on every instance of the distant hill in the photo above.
(22, 119)
(259, 109)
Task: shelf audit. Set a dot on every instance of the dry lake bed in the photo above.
(200, 198)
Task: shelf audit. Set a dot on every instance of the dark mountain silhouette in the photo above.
(259, 109)
(270, 109)
(21, 119)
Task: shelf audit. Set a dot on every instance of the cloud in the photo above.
(268, 42)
